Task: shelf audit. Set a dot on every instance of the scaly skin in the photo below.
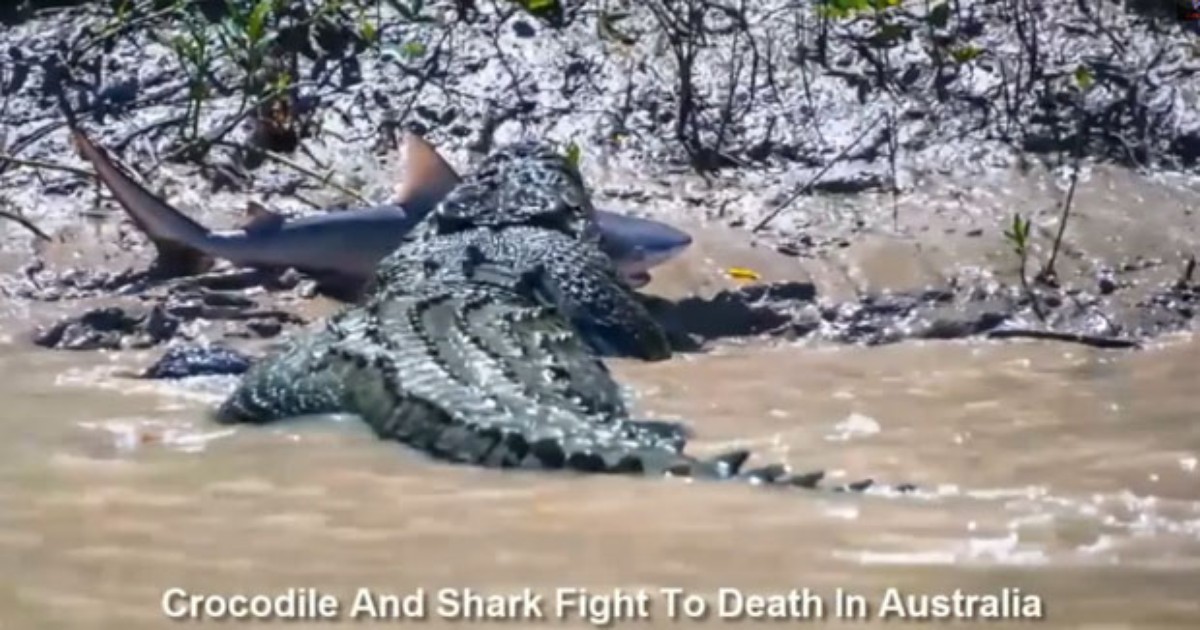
(472, 372)
(473, 344)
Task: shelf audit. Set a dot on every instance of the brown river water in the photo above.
(1066, 475)
(1062, 478)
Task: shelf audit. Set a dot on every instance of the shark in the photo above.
(342, 249)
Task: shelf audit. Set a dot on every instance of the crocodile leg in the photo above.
(586, 289)
(300, 380)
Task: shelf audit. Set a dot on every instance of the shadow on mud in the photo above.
(793, 310)
(243, 306)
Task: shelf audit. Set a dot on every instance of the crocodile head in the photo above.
(521, 184)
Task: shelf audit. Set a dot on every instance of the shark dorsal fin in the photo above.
(427, 176)
(259, 219)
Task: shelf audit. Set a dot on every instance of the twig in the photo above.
(324, 179)
(1189, 270)
(51, 166)
(112, 30)
(120, 145)
(26, 223)
(1034, 301)
(1047, 274)
(893, 147)
(218, 132)
(1050, 335)
(29, 139)
(425, 74)
(812, 182)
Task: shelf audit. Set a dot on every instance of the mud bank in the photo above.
(864, 167)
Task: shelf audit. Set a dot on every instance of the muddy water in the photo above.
(1066, 473)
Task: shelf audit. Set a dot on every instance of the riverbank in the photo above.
(884, 159)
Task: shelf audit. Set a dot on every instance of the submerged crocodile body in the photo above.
(478, 342)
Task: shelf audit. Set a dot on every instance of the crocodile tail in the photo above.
(662, 455)
(729, 466)
(634, 448)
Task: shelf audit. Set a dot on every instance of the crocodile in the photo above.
(472, 345)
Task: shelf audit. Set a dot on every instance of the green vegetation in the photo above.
(193, 54)
(574, 154)
(842, 9)
(1018, 235)
(1083, 80)
(255, 41)
(540, 8)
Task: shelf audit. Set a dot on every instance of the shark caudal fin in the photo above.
(428, 178)
(176, 237)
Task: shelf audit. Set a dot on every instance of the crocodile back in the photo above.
(527, 207)
(523, 184)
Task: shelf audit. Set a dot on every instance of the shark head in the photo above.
(636, 245)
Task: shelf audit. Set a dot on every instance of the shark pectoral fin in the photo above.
(175, 260)
(427, 176)
(344, 287)
(260, 219)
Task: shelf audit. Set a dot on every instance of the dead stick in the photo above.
(812, 182)
(324, 179)
(46, 165)
(26, 223)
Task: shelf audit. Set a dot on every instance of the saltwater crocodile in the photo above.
(471, 344)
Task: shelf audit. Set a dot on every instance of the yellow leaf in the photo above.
(741, 273)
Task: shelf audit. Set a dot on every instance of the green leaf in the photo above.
(413, 49)
(123, 10)
(888, 34)
(368, 31)
(939, 15)
(282, 83)
(404, 10)
(1084, 78)
(963, 54)
(574, 154)
(538, 6)
(839, 9)
(1018, 234)
(410, 9)
(256, 24)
